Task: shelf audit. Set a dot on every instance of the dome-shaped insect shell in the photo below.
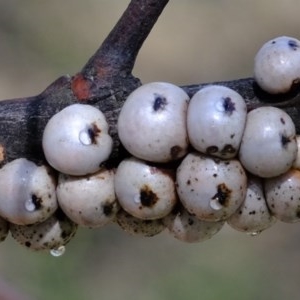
(27, 192)
(76, 140)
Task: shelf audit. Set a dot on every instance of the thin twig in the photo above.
(119, 50)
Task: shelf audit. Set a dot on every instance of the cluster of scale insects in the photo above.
(231, 166)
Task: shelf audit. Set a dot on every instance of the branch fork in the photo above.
(105, 82)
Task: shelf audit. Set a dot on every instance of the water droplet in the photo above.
(137, 199)
(219, 105)
(85, 138)
(215, 204)
(58, 251)
(29, 205)
(253, 233)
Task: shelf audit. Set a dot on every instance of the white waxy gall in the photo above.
(4, 228)
(152, 122)
(76, 140)
(136, 226)
(276, 65)
(90, 200)
(216, 119)
(268, 146)
(211, 189)
(283, 196)
(253, 216)
(51, 234)
(188, 228)
(145, 191)
(27, 192)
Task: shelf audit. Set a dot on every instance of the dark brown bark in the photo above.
(105, 82)
(255, 97)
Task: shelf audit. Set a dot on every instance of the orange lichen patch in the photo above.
(81, 87)
(2, 153)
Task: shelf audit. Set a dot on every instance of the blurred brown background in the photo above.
(193, 41)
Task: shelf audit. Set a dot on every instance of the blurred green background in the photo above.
(193, 41)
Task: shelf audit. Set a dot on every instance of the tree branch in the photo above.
(105, 82)
(256, 97)
(119, 50)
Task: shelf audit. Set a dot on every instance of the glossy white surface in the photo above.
(210, 189)
(144, 191)
(152, 122)
(268, 146)
(88, 200)
(276, 64)
(76, 140)
(283, 196)
(216, 119)
(27, 192)
(253, 216)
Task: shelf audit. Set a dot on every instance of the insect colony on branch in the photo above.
(231, 166)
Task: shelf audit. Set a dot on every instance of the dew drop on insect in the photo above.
(58, 251)
(215, 204)
(219, 106)
(137, 199)
(84, 138)
(253, 233)
(29, 205)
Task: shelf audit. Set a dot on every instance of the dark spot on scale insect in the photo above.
(223, 194)
(228, 105)
(27, 244)
(212, 149)
(107, 208)
(285, 140)
(147, 197)
(159, 103)
(293, 45)
(93, 132)
(282, 121)
(175, 152)
(36, 201)
(228, 149)
(216, 160)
